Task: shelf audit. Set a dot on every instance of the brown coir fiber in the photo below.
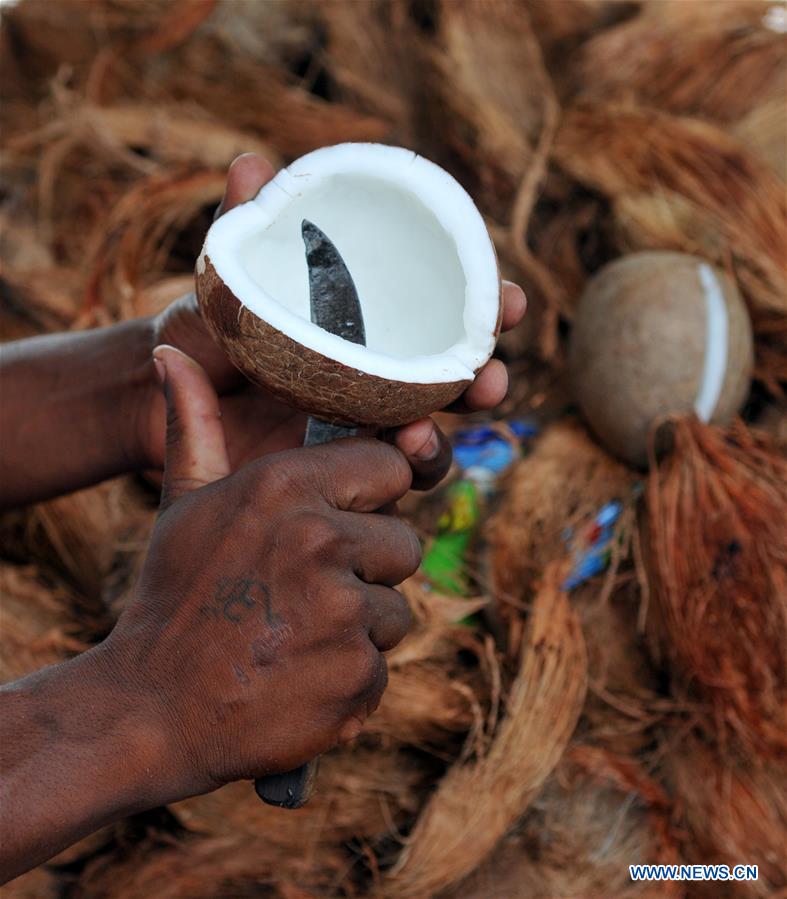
(490, 117)
(374, 52)
(38, 626)
(624, 704)
(232, 867)
(764, 131)
(134, 106)
(730, 809)
(39, 883)
(423, 705)
(716, 61)
(598, 813)
(561, 483)
(476, 803)
(684, 184)
(363, 792)
(441, 677)
(83, 538)
(716, 508)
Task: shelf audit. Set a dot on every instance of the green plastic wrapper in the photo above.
(444, 562)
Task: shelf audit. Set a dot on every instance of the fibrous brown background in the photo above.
(562, 736)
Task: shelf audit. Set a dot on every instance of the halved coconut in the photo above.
(421, 259)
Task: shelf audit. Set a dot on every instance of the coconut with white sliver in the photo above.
(422, 262)
(655, 334)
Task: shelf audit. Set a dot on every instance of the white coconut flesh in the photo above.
(413, 241)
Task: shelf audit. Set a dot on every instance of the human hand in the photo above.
(266, 598)
(255, 422)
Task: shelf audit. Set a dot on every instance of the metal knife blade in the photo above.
(334, 300)
(335, 308)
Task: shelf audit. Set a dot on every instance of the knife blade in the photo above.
(335, 307)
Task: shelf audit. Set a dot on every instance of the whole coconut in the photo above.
(655, 334)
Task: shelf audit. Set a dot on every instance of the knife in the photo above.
(335, 308)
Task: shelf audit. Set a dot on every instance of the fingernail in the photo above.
(517, 288)
(161, 370)
(429, 448)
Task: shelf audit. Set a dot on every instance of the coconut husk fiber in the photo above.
(717, 61)
(764, 131)
(39, 883)
(442, 680)
(597, 814)
(730, 195)
(229, 867)
(83, 537)
(583, 129)
(38, 626)
(717, 555)
(476, 803)
(730, 809)
(363, 792)
(624, 705)
(685, 184)
(489, 116)
(560, 483)
(375, 53)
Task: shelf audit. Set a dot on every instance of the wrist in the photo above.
(151, 724)
(129, 736)
(77, 752)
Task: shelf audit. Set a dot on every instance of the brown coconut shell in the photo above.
(638, 346)
(305, 378)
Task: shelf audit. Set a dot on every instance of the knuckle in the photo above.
(397, 469)
(369, 671)
(407, 546)
(277, 477)
(347, 608)
(317, 535)
(388, 468)
(414, 551)
(401, 612)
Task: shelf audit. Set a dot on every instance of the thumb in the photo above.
(196, 452)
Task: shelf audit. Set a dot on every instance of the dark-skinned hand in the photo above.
(266, 598)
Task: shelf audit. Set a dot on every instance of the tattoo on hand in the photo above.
(240, 595)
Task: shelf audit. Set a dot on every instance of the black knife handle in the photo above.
(290, 789)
